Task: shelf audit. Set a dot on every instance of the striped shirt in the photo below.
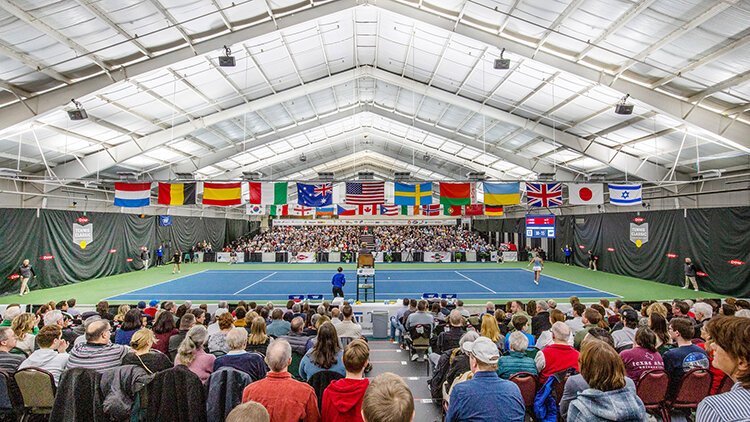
(731, 406)
(97, 356)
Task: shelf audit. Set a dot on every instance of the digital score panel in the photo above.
(540, 226)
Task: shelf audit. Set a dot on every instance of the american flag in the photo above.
(544, 194)
(365, 193)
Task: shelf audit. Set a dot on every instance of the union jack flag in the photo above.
(544, 194)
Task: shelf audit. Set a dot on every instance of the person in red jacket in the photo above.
(557, 356)
(342, 399)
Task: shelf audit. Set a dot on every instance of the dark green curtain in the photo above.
(235, 229)
(187, 231)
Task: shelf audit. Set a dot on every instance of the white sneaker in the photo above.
(684, 287)
(414, 357)
(696, 290)
(536, 282)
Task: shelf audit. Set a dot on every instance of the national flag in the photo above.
(625, 195)
(325, 211)
(371, 209)
(585, 193)
(502, 193)
(255, 209)
(431, 210)
(406, 210)
(279, 210)
(365, 193)
(301, 210)
(176, 194)
(390, 209)
(544, 194)
(418, 194)
(493, 210)
(222, 194)
(455, 193)
(346, 210)
(320, 195)
(474, 209)
(132, 195)
(454, 210)
(264, 193)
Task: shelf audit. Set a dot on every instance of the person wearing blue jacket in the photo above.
(338, 281)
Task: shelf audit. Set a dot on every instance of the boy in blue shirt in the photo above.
(338, 282)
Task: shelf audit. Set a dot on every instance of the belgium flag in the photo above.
(176, 193)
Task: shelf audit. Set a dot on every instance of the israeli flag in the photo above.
(625, 195)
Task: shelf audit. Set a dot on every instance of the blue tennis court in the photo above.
(214, 285)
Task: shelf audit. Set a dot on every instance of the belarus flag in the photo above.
(585, 193)
(132, 195)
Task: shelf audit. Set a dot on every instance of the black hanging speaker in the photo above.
(623, 108)
(226, 61)
(502, 64)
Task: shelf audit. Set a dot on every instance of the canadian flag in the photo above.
(368, 210)
(585, 193)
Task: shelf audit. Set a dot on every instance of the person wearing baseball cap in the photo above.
(485, 397)
(626, 335)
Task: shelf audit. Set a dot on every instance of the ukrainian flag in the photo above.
(419, 194)
(502, 193)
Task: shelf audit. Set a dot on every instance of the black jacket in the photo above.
(225, 388)
(540, 322)
(119, 387)
(174, 395)
(78, 397)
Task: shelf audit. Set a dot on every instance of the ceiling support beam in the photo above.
(623, 20)
(92, 8)
(24, 58)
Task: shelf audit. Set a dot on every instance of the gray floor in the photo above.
(387, 357)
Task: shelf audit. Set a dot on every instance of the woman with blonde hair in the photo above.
(143, 355)
(258, 341)
(491, 330)
(121, 311)
(191, 353)
(23, 326)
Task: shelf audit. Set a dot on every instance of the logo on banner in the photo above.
(165, 220)
(83, 232)
(639, 234)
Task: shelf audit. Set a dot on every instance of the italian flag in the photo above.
(263, 193)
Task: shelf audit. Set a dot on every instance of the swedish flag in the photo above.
(419, 194)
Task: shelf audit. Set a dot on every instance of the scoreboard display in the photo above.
(540, 226)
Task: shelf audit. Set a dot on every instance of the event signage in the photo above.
(639, 234)
(362, 222)
(83, 232)
(540, 226)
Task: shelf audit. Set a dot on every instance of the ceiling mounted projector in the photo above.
(227, 60)
(622, 107)
(501, 63)
(77, 113)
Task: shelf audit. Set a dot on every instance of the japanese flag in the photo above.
(585, 193)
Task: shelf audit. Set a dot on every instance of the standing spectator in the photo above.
(217, 342)
(559, 355)
(186, 323)
(607, 398)
(191, 353)
(237, 358)
(730, 337)
(690, 272)
(485, 397)
(347, 327)
(298, 401)
(258, 340)
(342, 400)
(8, 361)
(23, 326)
(164, 329)
(326, 354)
(626, 335)
(644, 356)
(51, 355)
(143, 355)
(516, 361)
(278, 327)
(685, 356)
(97, 352)
(388, 399)
(130, 324)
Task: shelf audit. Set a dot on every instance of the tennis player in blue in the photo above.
(338, 281)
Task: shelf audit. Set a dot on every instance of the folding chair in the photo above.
(37, 388)
(419, 339)
(528, 384)
(726, 385)
(652, 390)
(695, 385)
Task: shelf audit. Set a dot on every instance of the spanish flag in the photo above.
(176, 193)
(222, 194)
(493, 211)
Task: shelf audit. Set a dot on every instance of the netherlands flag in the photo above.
(132, 195)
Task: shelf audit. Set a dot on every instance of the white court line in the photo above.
(398, 294)
(475, 282)
(153, 285)
(242, 290)
(579, 285)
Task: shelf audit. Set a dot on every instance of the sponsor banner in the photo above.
(302, 257)
(510, 256)
(366, 222)
(83, 235)
(224, 257)
(268, 257)
(437, 257)
(639, 234)
(378, 256)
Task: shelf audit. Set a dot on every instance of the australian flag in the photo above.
(319, 195)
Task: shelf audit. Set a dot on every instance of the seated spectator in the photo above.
(130, 324)
(576, 324)
(250, 363)
(186, 323)
(278, 327)
(191, 353)
(75, 313)
(541, 321)
(703, 313)
(143, 355)
(151, 309)
(239, 315)
(545, 338)
(258, 341)
(326, 354)
(23, 327)
(460, 308)
(200, 316)
(658, 324)
(607, 398)
(217, 342)
(395, 324)
(730, 342)
(296, 337)
(298, 401)
(519, 323)
(8, 361)
(452, 363)
(97, 352)
(214, 327)
(120, 316)
(347, 327)
(336, 316)
(420, 317)
(486, 397)
(388, 399)
(57, 318)
(164, 329)
(492, 331)
(559, 355)
(626, 336)
(685, 356)
(248, 412)
(51, 355)
(10, 313)
(448, 339)
(718, 376)
(342, 399)
(590, 319)
(102, 308)
(644, 356)
(516, 361)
